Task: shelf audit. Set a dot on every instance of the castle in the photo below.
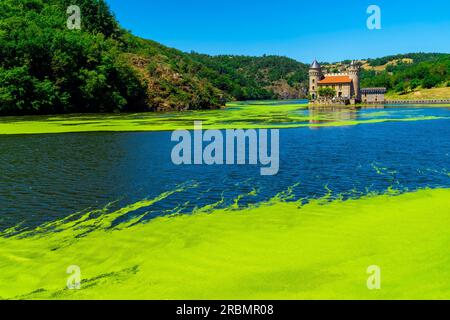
(346, 86)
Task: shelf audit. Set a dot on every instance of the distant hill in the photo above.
(45, 68)
(408, 72)
(245, 77)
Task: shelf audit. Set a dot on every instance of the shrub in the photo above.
(327, 92)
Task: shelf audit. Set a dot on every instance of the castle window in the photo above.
(314, 80)
(313, 88)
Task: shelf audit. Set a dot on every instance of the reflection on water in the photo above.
(331, 114)
(45, 177)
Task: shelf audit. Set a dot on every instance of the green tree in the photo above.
(401, 88)
(430, 82)
(327, 92)
(415, 83)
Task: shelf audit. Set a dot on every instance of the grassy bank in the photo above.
(422, 94)
(275, 251)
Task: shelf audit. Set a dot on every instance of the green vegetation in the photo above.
(250, 78)
(416, 57)
(441, 93)
(326, 92)
(319, 250)
(47, 68)
(423, 70)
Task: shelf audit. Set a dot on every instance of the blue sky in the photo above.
(303, 30)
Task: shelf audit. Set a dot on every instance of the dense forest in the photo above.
(403, 73)
(47, 68)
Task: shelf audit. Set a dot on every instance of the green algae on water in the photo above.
(275, 250)
(234, 116)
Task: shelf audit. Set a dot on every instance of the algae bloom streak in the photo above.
(242, 115)
(278, 249)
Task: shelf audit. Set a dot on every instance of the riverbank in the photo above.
(238, 115)
(278, 250)
(419, 102)
(421, 94)
(388, 103)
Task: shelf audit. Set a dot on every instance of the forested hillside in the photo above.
(247, 77)
(45, 68)
(407, 72)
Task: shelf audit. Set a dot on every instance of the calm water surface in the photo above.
(49, 176)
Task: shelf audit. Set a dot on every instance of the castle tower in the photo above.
(315, 75)
(353, 72)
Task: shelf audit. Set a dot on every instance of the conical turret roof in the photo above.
(315, 65)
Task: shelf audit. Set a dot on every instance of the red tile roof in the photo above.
(335, 79)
